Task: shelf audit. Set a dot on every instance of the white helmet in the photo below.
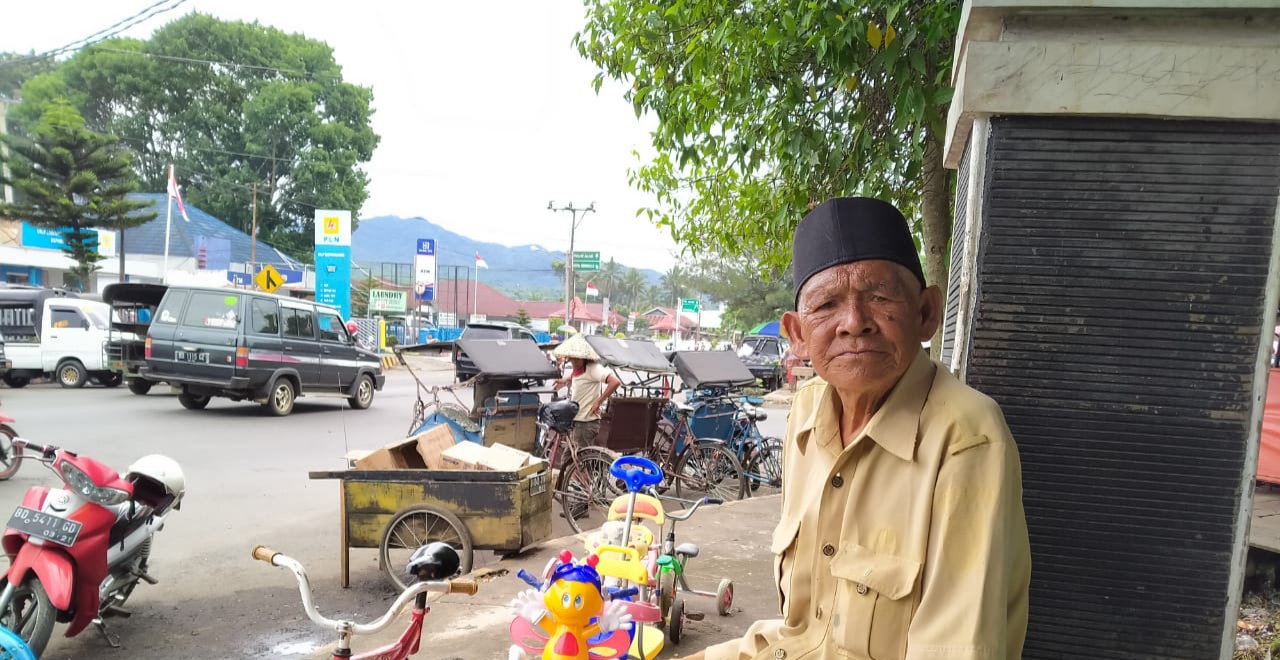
(163, 473)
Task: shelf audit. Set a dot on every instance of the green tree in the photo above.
(749, 297)
(231, 104)
(610, 274)
(17, 68)
(675, 285)
(767, 108)
(634, 284)
(522, 317)
(72, 178)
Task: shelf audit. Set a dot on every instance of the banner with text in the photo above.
(333, 259)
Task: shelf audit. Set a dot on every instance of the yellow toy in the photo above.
(564, 611)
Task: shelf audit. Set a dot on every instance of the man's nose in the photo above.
(855, 318)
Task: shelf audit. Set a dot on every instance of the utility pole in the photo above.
(568, 261)
(253, 236)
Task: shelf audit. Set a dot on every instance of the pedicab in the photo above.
(633, 424)
(400, 504)
(132, 305)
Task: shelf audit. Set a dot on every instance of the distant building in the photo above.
(203, 248)
(458, 300)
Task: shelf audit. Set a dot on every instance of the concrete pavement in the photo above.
(734, 540)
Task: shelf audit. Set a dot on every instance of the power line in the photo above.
(137, 141)
(194, 60)
(112, 30)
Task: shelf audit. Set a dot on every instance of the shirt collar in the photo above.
(894, 426)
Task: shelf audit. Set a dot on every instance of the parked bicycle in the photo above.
(430, 564)
(581, 485)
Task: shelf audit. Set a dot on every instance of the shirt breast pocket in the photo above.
(873, 603)
(784, 540)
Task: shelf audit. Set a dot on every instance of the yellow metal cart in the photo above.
(396, 511)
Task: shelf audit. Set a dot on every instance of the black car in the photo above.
(247, 345)
(463, 366)
(763, 357)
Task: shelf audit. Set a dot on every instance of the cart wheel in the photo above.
(675, 628)
(414, 527)
(724, 597)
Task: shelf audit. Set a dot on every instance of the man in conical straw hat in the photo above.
(591, 385)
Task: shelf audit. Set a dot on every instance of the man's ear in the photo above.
(931, 304)
(795, 335)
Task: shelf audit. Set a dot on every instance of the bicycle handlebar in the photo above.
(265, 554)
(42, 451)
(695, 504)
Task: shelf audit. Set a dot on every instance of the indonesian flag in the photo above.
(592, 291)
(173, 193)
(480, 262)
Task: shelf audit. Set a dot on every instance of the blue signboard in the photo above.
(333, 277)
(290, 276)
(44, 238)
(424, 270)
(239, 279)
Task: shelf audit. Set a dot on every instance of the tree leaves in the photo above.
(767, 107)
(230, 104)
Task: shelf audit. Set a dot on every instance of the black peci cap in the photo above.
(843, 230)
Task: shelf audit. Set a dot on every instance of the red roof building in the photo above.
(462, 297)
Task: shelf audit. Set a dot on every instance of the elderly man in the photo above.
(902, 532)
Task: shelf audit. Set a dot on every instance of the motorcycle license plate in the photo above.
(45, 526)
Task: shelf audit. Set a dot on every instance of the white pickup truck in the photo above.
(54, 333)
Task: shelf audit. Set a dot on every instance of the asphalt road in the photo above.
(246, 484)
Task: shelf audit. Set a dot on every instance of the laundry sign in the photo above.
(382, 300)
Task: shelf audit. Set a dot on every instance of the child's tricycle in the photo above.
(628, 551)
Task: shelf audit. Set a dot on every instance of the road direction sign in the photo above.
(268, 279)
(586, 261)
(689, 305)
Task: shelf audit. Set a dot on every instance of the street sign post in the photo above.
(587, 262)
(690, 305)
(268, 279)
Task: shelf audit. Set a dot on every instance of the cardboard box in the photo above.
(502, 458)
(465, 456)
(432, 443)
(402, 455)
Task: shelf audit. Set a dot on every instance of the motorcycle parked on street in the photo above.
(77, 553)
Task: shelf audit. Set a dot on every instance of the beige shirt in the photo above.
(587, 388)
(909, 543)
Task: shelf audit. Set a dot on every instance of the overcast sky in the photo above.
(485, 110)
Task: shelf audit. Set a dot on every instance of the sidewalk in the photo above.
(734, 540)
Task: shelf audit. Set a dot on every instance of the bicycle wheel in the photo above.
(708, 469)
(414, 527)
(764, 466)
(586, 489)
(10, 457)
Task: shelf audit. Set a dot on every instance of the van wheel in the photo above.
(139, 386)
(15, 381)
(193, 401)
(280, 402)
(71, 374)
(363, 398)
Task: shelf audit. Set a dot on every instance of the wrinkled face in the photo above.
(862, 324)
(573, 603)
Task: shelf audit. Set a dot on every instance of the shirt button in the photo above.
(862, 589)
(779, 654)
(828, 550)
(837, 481)
(819, 612)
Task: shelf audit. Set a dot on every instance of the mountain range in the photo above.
(522, 268)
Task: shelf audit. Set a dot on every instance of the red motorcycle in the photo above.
(76, 553)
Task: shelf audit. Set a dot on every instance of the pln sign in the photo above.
(333, 259)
